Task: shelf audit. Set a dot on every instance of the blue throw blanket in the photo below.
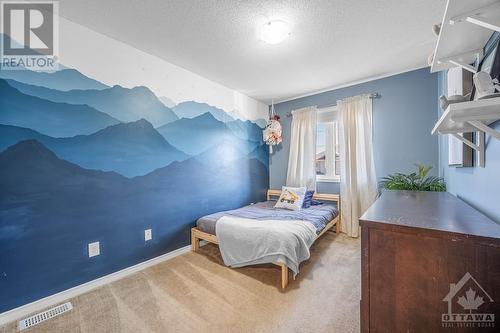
(319, 216)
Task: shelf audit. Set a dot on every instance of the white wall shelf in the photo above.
(473, 116)
(465, 29)
(486, 17)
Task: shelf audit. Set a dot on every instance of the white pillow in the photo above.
(291, 198)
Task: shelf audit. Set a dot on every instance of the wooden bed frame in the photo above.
(197, 235)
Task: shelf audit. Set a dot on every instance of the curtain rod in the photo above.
(372, 95)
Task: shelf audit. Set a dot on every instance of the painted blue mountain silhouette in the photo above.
(196, 135)
(192, 109)
(34, 161)
(65, 79)
(261, 154)
(226, 151)
(43, 196)
(121, 103)
(50, 118)
(131, 149)
(10, 135)
(246, 130)
(259, 122)
(82, 161)
(167, 102)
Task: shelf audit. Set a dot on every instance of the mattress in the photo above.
(319, 215)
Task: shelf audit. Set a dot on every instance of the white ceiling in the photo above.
(333, 43)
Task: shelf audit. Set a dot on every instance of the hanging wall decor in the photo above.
(272, 132)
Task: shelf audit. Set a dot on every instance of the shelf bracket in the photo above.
(479, 147)
(485, 23)
(467, 142)
(467, 67)
(485, 128)
(477, 17)
(456, 59)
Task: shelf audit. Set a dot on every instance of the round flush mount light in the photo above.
(274, 32)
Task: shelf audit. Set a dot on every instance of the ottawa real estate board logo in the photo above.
(30, 35)
(466, 299)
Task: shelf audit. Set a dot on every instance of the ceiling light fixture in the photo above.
(274, 32)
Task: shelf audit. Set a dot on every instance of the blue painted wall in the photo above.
(480, 187)
(402, 118)
(104, 164)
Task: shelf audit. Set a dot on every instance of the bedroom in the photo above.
(222, 166)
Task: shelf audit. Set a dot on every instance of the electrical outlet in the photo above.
(148, 235)
(94, 249)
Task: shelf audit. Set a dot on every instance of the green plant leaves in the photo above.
(415, 181)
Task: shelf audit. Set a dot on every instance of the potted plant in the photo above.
(415, 181)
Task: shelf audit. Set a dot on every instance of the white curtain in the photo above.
(302, 157)
(358, 182)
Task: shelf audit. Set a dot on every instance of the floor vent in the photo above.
(43, 316)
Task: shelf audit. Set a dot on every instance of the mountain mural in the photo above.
(167, 102)
(120, 103)
(201, 133)
(131, 149)
(66, 79)
(10, 135)
(261, 154)
(193, 109)
(195, 135)
(245, 130)
(81, 161)
(49, 204)
(50, 118)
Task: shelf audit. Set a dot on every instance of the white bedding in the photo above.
(248, 242)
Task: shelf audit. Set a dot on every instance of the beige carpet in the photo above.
(196, 293)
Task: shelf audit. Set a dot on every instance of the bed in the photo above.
(323, 217)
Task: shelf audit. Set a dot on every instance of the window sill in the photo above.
(323, 179)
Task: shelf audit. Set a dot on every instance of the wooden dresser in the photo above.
(430, 263)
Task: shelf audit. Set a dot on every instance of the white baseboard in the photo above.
(22, 311)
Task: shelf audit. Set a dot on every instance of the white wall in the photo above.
(93, 53)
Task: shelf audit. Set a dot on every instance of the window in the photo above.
(327, 146)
